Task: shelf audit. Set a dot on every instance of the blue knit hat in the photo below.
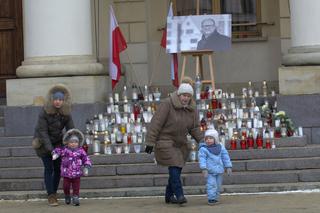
(58, 95)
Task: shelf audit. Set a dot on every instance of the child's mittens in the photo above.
(229, 171)
(205, 173)
(55, 156)
(85, 171)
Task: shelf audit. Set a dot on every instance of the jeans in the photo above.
(214, 182)
(51, 174)
(71, 182)
(174, 186)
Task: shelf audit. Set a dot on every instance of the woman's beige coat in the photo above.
(168, 131)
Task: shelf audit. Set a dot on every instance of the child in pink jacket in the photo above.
(74, 164)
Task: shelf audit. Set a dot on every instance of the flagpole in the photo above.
(157, 65)
(133, 71)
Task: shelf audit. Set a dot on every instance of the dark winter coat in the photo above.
(168, 131)
(215, 42)
(52, 121)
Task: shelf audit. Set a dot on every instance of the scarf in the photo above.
(214, 149)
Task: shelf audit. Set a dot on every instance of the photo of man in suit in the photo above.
(211, 39)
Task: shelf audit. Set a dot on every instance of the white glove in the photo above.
(229, 171)
(55, 156)
(205, 173)
(85, 171)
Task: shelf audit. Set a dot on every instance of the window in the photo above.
(245, 13)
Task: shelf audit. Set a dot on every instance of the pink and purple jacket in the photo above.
(73, 160)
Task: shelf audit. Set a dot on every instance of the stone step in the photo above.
(21, 146)
(2, 107)
(1, 120)
(22, 159)
(8, 142)
(282, 142)
(18, 141)
(14, 162)
(159, 191)
(151, 180)
(2, 131)
(151, 168)
(279, 152)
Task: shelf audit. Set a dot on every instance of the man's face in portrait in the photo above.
(207, 27)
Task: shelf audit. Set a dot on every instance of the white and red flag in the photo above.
(173, 56)
(117, 44)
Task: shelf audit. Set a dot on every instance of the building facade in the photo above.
(67, 42)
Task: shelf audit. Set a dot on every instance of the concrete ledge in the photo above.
(298, 80)
(285, 152)
(158, 191)
(280, 142)
(259, 177)
(302, 109)
(21, 120)
(84, 89)
(283, 164)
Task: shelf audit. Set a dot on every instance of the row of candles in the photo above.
(147, 95)
(123, 125)
(137, 94)
(249, 91)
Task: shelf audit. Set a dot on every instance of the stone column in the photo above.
(57, 44)
(301, 65)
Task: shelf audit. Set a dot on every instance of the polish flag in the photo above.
(173, 56)
(117, 44)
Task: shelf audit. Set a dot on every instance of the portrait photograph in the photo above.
(201, 32)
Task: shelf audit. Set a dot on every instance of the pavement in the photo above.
(285, 202)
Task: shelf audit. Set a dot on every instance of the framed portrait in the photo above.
(204, 32)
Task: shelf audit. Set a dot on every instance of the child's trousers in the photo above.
(71, 182)
(214, 183)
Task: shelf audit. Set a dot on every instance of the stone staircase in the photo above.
(2, 106)
(293, 165)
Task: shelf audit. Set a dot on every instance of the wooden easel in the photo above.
(199, 65)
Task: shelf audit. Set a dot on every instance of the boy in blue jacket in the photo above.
(213, 159)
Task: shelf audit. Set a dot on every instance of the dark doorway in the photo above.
(11, 41)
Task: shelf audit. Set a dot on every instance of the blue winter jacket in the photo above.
(215, 164)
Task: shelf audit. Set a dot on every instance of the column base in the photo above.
(54, 66)
(33, 91)
(301, 56)
(296, 80)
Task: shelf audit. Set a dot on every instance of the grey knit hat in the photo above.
(185, 88)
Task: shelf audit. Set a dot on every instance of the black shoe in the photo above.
(75, 201)
(67, 199)
(182, 200)
(212, 202)
(171, 199)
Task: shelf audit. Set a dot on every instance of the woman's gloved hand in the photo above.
(148, 149)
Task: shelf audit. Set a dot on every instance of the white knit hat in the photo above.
(213, 133)
(185, 88)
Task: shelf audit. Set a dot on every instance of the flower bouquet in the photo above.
(285, 122)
